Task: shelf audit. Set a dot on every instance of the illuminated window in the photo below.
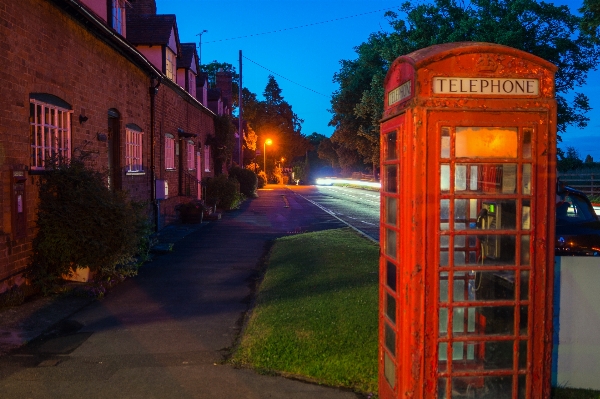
(169, 151)
(50, 132)
(133, 150)
(190, 155)
(170, 64)
(118, 15)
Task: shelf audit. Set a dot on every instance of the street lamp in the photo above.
(267, 142)
(200, 48)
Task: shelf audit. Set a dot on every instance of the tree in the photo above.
(212, 69)
(223, 142)
(548, 31)
(570, 161)
(591, 18)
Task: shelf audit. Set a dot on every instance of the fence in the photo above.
(588, 182)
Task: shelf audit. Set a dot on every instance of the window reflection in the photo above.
(390, 145)
(391, 178)
(483, 178)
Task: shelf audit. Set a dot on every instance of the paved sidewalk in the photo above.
(166, 332)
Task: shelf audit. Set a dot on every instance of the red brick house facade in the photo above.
(72, 81)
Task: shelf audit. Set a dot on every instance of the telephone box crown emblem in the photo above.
(486, 64)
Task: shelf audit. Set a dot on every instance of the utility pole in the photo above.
(240, 129)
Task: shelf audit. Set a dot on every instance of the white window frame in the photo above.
(118, 15)
(170, 64)
(50, 133)
(190, 155)
(133, 150)
(207, 158)
(169, 152)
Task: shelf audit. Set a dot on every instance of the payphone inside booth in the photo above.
(468, 169)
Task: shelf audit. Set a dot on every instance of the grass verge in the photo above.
(316, 311)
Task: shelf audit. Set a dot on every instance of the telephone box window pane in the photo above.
(444, 287)
(445, 144)
(486, 142)
(460, 178)
(391, 179)
(445, 177)
(526, 215)
(522, 355)
(444, 242)
(527, 142)
(525, 250)
(443, 321)
(390, 243)
(488, 355)
(525, 285)
(498, 285)
(496, 215)
(390, 309)
(389, 370)
(444, 258)
(391, 275)
(526, 179)
(460, 211)
(459, 287)
(442, 387)
(473, 180)
(444, 213)
(390, 142)
(390, 339)
(522, 387)
(486, 387)
(442, 356)
(497, 250)
(524, 321)
(390, 211)
(483, 320)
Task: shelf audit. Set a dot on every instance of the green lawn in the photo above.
(316, 311)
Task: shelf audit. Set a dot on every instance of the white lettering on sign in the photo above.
(487, 86)
(399, 93)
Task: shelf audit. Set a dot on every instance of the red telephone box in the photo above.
(468, 155)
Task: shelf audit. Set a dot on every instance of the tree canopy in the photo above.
(548, 31)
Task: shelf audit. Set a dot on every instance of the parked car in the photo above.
(577, 225)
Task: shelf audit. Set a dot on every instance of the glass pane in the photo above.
(391, 276)
(487, 178)
(527, 142)
(442, 388)
(444, 258)
(526, 215)
(460, 178)
(391, 178)
(460, 213)
(522, 386)
(444, 212)
(391, 152)
(483, 320)
(391, 211)
(525, 285)
(444, 287)
(442, 356)
(444, 241)
(524, 321)
(389, 370)
(482, 387)
(443, 321)
(390, 339)
(496, 250)
(525, 250)
(522, 355)
(445, 153)
(390, 243)
(477, 356)
(527, 179)
(390, 308)
(486, 142)
(445, 177)
(484, 286)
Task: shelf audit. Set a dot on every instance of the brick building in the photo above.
(81, 75)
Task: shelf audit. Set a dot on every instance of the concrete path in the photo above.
(166, 332)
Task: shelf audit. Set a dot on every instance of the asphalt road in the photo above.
(356, 207)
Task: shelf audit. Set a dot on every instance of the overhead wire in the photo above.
(301, 26)
(283, 77)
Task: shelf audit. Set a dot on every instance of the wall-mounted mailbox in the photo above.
(162, 189)
(468, 155)
(19, 203)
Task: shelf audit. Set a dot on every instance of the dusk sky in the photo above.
(301, 43)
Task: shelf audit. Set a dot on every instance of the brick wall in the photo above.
(44, 50)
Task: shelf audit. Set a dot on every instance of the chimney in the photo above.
(224, 82)
(142, 7)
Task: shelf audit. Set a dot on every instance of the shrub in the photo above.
(223, 192)
(247, 179)
(262, 179)
(81, 223)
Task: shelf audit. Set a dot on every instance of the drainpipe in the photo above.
(153, 92)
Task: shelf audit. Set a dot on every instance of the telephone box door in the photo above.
(481, 298)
